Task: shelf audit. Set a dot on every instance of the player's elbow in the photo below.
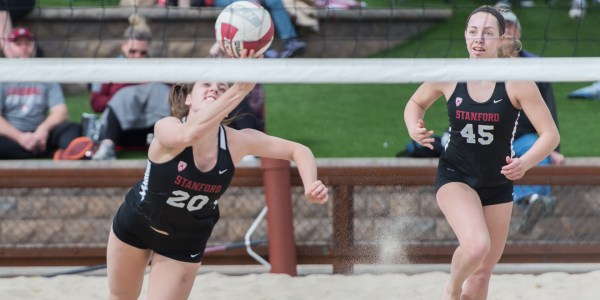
(557, 139)
(554, 137)
(302, 152)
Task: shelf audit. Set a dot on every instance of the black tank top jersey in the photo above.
(179, 199)
(481, 136)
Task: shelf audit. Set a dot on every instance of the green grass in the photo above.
(356, 120)
(338, 120)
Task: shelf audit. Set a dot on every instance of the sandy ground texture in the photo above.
(370, 286)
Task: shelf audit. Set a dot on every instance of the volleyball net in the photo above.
(368, 70)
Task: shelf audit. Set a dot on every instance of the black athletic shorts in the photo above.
(131, 228)
(489, 195)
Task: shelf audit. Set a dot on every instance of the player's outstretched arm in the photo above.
(252, 142)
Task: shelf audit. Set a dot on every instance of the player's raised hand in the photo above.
(250, 54)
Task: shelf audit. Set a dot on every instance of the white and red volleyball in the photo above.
(244, 25)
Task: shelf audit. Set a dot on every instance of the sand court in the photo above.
(423, 282)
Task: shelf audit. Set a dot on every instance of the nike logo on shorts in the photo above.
(222, 171)
(194, 255)
(496, 101)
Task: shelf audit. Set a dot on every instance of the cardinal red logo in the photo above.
(458, 101)
(181, 166)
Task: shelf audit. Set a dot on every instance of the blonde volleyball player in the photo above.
(474, 181)
(169, 215)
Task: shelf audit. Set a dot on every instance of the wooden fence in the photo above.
(342, 252)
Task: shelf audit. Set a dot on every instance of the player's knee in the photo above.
(477, 248)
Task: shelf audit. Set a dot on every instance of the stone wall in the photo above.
(82, 216)
(97, 32)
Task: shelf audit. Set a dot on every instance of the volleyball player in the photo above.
(474, 181)
(169, 215)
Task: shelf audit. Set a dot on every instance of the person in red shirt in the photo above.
(100, 98)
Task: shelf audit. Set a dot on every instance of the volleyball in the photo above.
(244, 25)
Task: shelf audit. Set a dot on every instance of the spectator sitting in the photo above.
(129, 110)
(33, 115)
(536, 199)
(283, 25)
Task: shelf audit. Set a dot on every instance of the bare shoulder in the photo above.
(522, 90)
(167, 121)
(519, 85)
(244, 142)
(242, 134)
(445, 87)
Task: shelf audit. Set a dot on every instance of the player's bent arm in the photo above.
(420, 101)
(537, 111)
(253, 142)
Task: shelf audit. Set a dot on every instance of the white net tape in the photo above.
(366, 70)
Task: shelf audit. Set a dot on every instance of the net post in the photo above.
(282, 246)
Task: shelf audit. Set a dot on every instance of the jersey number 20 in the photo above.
(486, 137)
(195, 203)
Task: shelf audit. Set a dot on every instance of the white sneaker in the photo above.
(106, 151)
